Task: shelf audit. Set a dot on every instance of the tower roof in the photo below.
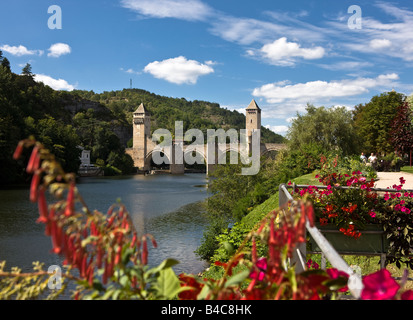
(253, 105)
(141, 109)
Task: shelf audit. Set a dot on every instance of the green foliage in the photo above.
(165, 111)
(373, 121)
(209, 239)
(300, 160)
(27, 70)
(330, 128)
(59, 138)
(22, 286)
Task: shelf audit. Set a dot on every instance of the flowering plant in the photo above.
(349, 202)
(111, 262)
(350, 209)
(104, 255)
(398, 224)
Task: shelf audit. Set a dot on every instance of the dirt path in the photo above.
(388, 179)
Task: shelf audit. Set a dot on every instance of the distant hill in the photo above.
(165, 111)
(102, 123)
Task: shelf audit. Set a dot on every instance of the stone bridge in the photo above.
(177, 154)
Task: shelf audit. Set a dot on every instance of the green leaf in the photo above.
(228, 247)
(292, 278)
(237, 279)
(204, 292)
(167, 285)
(336, 284)
(167, 263)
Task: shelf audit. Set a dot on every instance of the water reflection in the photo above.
(166, 206)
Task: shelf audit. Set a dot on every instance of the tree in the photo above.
(58, 137)
(401, 134)
(373, 121)
(331, 128)
(6, 63)
(27, 70)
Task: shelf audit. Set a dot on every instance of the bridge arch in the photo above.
(271, 152)
(195, 158)
(150, 163)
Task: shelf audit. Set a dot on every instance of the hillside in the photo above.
(101, 122)
(165, 111)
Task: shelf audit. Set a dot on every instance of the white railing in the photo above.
(355, 284)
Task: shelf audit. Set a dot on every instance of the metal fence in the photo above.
(328, 252)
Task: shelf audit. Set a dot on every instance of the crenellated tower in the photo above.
(141, 135)
(253, 119)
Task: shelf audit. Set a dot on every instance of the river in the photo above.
(166, 206)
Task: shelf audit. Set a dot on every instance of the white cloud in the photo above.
(347, 66)
(246, 31)
(20, 50)
(377, 38)
(191, 10)
(316, 90)
(211, 63)
(58, 49)
(380, 43)
(178, 70)
(130, 71)
(277, 129)
(284, 53)
(56, 84)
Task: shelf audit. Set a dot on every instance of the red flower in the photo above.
(323, 221)
(34, 185)
(144, 252)
(70, 204)
(407, 295)
(192, 283)
(379, 286)
(34, 160)
(19, 149)
(43, 209)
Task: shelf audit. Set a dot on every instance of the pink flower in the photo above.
(372, 214)
(262, 267)
(335, 274)
(379, 286)
(402, 181)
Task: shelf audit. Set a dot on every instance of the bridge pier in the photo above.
(177, 165)
(177, 168)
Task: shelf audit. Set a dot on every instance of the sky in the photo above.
(283, 54)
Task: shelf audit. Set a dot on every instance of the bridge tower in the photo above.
(141, 136)
(253, 120)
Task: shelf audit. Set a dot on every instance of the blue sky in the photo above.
(283, 54)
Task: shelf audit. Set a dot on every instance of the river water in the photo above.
(166, 206)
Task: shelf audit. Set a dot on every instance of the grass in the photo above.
(271, 203)
(367, 264)
(306, 179)
(407, 169)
